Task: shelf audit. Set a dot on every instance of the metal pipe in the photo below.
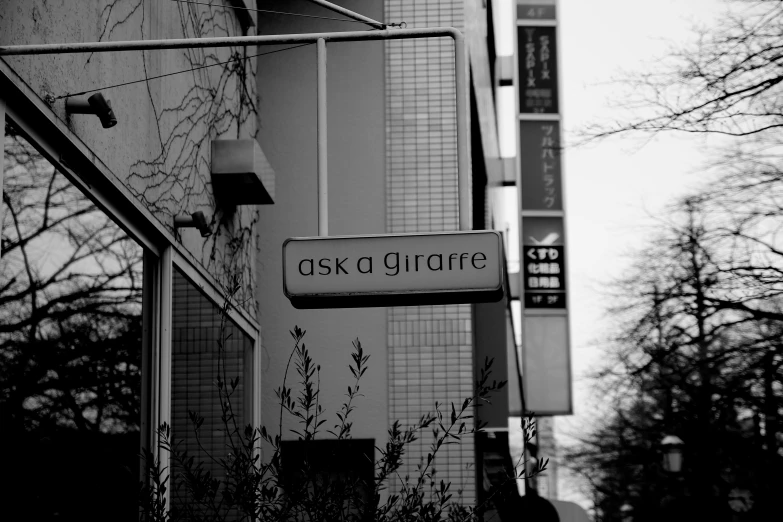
(227, 41)
(461, 71)
(323, 191)
(350, 14)
(463, 144)
(162, 356)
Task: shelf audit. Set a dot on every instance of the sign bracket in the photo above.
(323, 188)
(320, 39)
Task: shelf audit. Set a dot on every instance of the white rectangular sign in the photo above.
(393, 270)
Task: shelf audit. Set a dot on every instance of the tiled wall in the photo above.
(430, 347)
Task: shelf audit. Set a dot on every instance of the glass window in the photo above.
(70, 348)
(206, 348)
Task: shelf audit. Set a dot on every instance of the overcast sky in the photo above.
(613, 188)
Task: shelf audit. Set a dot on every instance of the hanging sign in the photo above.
(542, 282)
(393, 270)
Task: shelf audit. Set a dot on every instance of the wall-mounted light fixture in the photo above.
(95, 104)
(241, 174)
(195, 220)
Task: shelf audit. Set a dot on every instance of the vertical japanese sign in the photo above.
(539, 155)
(543, 284)
(543, 263)
(536, 11)
(544, 276)
(537, 70)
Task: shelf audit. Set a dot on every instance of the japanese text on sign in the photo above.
(544, 277)
(537, 70)
(536, 12)
(540, 163)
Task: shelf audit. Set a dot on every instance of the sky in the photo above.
(613, 188)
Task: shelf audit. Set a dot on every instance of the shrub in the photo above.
(294, 489)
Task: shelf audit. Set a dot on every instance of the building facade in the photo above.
(135, 273)
(110, 312)
(392, 169)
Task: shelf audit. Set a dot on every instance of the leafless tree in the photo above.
(70, 296)
(697, 352)
(727, 82)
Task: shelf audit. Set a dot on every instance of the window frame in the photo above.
(162, 252)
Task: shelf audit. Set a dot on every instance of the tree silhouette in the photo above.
(697, 353)
(728, 82)
(697, 349)
(70, 343)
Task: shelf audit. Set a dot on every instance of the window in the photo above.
(88, 371)
(70, 347)
(206, 347)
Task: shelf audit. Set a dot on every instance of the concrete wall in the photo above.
(160, 148)
(287, 133)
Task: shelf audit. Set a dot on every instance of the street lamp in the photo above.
(626, 512)
(672, 453)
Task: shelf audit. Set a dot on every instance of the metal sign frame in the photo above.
(461, 75)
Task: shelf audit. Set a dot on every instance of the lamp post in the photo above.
(675, 505)
(672, 453)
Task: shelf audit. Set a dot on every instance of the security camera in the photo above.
(195, 220)
(95, 104)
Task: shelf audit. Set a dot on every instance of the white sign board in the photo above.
(547, 365)
(393, 270)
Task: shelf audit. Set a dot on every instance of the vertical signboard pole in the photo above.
(543, 293)
(463, 130)
(323, 198)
